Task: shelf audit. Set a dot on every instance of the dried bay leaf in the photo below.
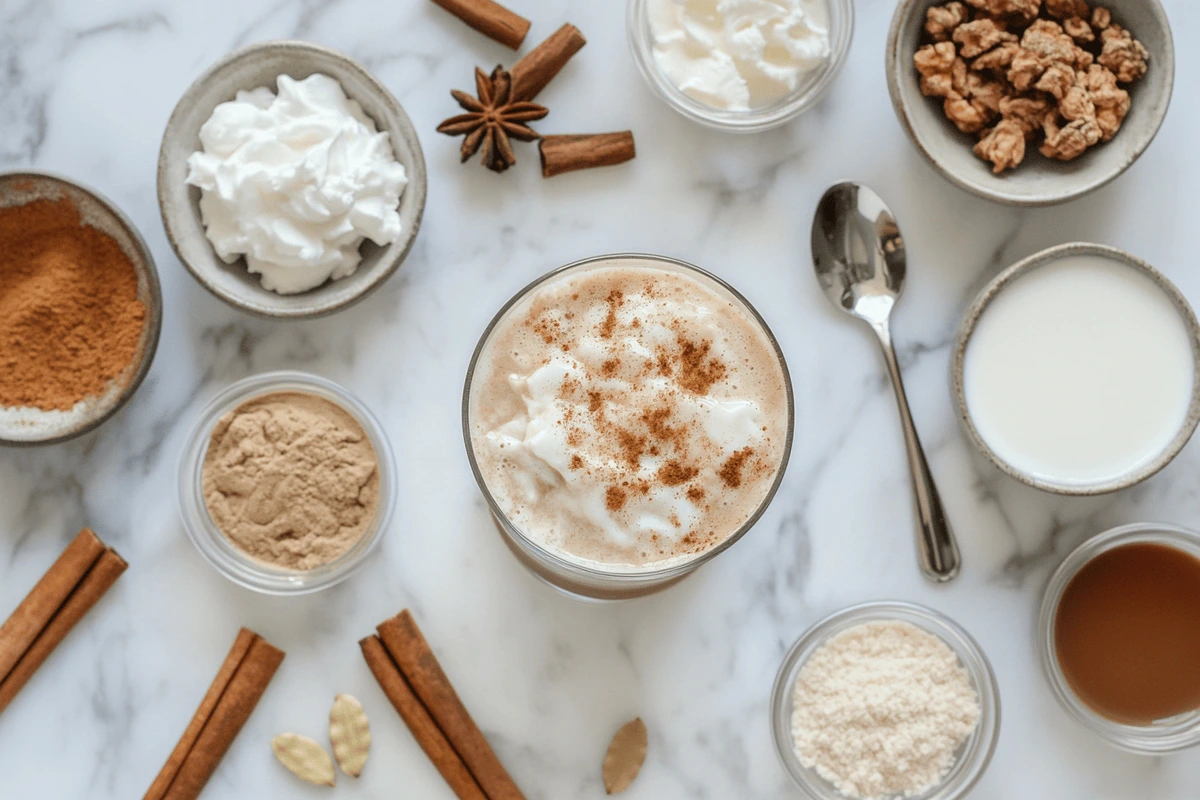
(306, 759)
(350, 734)
(625, 756)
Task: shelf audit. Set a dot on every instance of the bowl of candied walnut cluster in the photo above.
(1030, 102)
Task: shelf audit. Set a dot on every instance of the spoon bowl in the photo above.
(858, 251)
(860, 261)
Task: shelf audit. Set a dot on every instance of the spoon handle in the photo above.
(940, 558)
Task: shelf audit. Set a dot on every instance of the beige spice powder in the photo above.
(291, 479)
(881, 709)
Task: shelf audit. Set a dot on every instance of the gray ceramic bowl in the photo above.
(1038, 181)
(259, 65)
(32, 426)
(995, 286)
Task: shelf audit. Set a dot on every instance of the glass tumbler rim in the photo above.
(579, 567)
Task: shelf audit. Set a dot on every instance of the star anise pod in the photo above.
(492, 119)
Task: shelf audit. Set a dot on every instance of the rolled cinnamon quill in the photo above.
(539, 66)
(584, 151)
(428, 735)
(491, 19)
(412, 654)
(76, 581)
(234, 693)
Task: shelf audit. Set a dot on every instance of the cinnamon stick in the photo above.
(417, 718)
(584, 151)
(491, 19)
(239, 685)
(407, 646)
(63, 596)
(539, 66)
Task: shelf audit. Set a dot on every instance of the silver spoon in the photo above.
(858, 254)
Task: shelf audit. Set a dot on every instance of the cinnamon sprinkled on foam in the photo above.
(731, 470)
(642, 389)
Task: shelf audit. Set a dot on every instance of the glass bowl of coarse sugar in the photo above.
(885, 700)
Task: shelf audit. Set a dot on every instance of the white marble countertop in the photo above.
(86, 88)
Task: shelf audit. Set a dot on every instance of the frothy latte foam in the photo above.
(628, 415)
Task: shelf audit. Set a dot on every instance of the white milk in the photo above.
(1079, 372)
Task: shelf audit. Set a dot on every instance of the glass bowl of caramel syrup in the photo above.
(1119, 636)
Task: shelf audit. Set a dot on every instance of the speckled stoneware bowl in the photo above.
(1038, 181)
(259, 65)
(30, 426)
(997, 285)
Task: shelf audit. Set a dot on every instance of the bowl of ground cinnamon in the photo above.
(80, 309)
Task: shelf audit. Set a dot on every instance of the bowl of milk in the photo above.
(1077, 370)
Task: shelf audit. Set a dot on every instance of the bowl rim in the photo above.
(1044, 258)
(1181, 733)
(154, 309)
(979, 746)
(770, 116)
(416, 174)
(894, 63)
(207, 536)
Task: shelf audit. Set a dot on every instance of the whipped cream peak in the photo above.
(295, 182)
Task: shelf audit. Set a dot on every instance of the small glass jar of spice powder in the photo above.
(79, 309)
(287, 483)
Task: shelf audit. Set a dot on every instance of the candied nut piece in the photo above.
(965, 115)
(999, 8)
(986, 95)
(1024, 68)
(1049, 42)
(1029, 112)
(1125, 56)
(996, 59)
(1110, 100)
(1056, 80)
(1101, 18)
(1061, 9)
(1078, 29)
(1044, 43)
(976, 38)
(940, 21)
(1069, 141)
(935, 63)
(1077, 102)
(1003, 145)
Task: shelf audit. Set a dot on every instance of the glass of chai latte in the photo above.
(628, 418)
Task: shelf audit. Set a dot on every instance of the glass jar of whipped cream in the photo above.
(627, 418)
(741, 65)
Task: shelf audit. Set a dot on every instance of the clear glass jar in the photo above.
(1163, 736)
(975, 753)
(591, 580)
(216, 547)
(641, 42)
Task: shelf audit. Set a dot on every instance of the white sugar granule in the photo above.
(880, 709)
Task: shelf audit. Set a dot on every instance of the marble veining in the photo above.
(86, 89)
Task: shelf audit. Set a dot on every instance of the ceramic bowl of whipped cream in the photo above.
(740, 65)
(290, 180)
(1077, 370)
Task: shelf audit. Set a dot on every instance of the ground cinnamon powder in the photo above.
(70, 318)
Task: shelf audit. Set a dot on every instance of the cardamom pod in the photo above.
(306, 759)
(625, 756)
(350, 734)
